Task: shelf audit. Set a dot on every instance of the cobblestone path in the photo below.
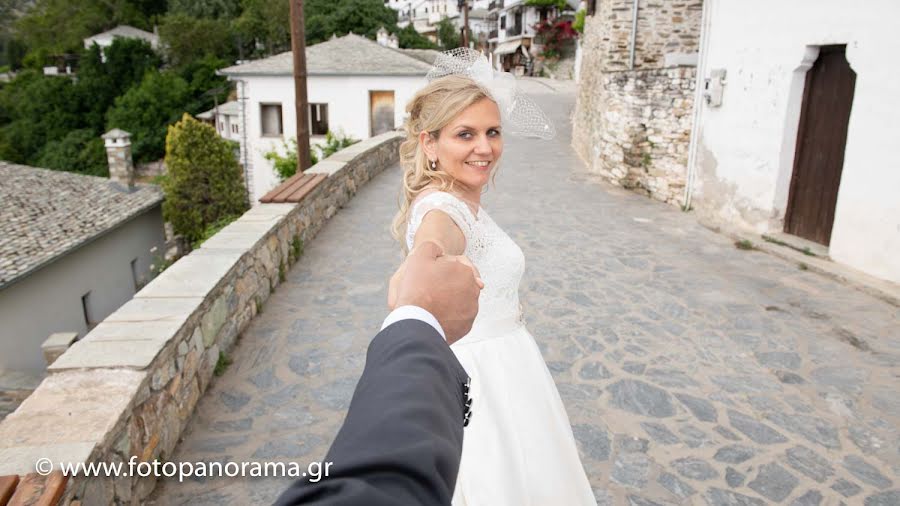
(693, 372)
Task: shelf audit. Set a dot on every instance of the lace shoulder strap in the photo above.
(443, 201)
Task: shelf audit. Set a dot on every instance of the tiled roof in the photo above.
(232, 108)
(46, 213)
(128, 32)
(426, 55)
(348, 55)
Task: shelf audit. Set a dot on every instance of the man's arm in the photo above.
(402, 438)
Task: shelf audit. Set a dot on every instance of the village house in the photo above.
(105, 39)
(225, 118)
(355, 88)
(426, 14)
(785, 135)
(75, 248)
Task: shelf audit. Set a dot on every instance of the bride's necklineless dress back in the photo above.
(518, 448)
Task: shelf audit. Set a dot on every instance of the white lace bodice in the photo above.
(498, 258)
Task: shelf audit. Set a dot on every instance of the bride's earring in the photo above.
(433, 165)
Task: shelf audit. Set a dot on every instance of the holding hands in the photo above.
(447, 286)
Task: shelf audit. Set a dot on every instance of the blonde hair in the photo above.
(432, 108)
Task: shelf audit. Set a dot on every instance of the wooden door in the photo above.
(821, 137)
(381, 112)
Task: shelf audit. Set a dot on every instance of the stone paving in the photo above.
(693, 372)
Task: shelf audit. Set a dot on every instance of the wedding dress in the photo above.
(518, 448)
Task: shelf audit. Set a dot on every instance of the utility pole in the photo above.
(298, 47)
(465, 28)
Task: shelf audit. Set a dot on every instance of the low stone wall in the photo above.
(129, 387)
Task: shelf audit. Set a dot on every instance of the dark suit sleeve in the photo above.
(402, 438)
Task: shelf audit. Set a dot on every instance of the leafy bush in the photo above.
(578, 24)
(448, 34)
(553, 34)
(204, 182)
(79, 151)
(286, 165)
(409, 38)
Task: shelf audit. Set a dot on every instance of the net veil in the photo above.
(519, 114)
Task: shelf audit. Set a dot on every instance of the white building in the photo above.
(426, 14)
(512, 38)
(225, 119)
(355, 88)
(799, 131)
(106, 38)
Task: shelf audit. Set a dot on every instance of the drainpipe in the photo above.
(634, 21)
(698, 104)
(245, 148)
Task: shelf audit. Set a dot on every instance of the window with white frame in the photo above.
(270, 115)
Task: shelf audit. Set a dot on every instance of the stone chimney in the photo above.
(382, 37)
(118, 155)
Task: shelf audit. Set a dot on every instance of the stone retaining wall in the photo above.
(638, 135)
(632, 124)
(129, 387)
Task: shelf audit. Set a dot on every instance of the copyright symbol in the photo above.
(43, 466)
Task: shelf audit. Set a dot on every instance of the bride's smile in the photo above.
(469, 146)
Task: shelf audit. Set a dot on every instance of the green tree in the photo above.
(57, 27)
(99, 82)
(206, 87)
(79, 151)
(212, 9)
(146, 110)
(35, 110)
(362, 17)
(203, 184)
(188, 39)
(409, 38)
(264, 27)
(448, 34)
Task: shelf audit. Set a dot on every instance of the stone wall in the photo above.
(130, 386)
(632, 125)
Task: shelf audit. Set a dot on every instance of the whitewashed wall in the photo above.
(348, 113)
(746, 147)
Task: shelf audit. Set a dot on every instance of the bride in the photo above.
(518, 448)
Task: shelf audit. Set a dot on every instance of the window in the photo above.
(271, 119)
(591, 7)
(503, 23)
(86, 310)
(318, 119)
(135, 276)
(221, 126)
(234, 128)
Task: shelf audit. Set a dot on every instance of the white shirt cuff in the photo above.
(413, 313)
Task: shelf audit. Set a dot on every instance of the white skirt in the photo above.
(518, 448)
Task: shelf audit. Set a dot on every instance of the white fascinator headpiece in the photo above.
(519, 114)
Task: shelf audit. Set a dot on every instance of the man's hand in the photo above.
(445, 286)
